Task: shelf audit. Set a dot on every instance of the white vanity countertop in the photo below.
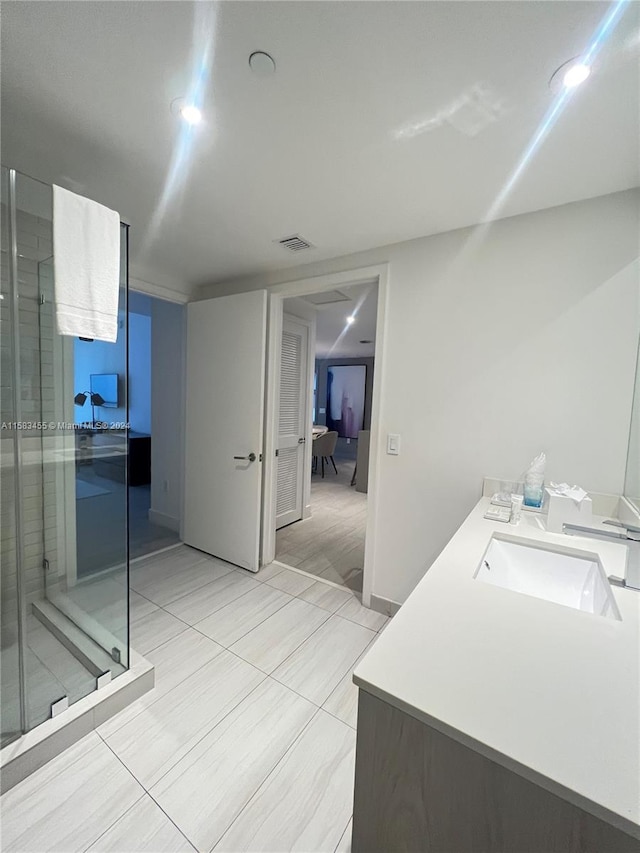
(550, 692)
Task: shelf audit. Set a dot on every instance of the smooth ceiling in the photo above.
(384, 121)
(335, 338)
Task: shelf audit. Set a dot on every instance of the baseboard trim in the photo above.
(164, 520)
(386, 606)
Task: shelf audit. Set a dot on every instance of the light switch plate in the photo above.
(393, 444)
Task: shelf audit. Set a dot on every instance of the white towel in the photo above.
(86, 257)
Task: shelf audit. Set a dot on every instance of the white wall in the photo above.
(496, 349)
(167, 412)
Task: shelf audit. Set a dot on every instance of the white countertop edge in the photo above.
(374, 675)
(570, 796)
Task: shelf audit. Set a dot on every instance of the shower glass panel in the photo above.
(64, 583)
(11, 718)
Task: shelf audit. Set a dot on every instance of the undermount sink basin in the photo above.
(562, 576)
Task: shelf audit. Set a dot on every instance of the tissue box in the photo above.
(564, 510)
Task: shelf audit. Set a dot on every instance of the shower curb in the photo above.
(35, 748)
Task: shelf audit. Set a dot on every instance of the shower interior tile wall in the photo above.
(38, 402)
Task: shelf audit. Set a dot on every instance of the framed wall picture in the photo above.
(345, 399)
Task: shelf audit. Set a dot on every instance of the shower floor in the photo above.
(52, 672)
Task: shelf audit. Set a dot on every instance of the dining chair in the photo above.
(323, 448)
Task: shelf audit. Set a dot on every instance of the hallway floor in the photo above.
(247, 741)
(329, 544)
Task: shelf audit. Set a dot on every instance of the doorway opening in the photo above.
(233, 438)
(325, 353)
(326, 382)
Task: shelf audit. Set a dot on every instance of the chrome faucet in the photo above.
(627, 534)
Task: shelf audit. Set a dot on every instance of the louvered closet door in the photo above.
(293, 414)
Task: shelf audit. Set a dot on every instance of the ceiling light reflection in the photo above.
(575, 75)
(191, 114)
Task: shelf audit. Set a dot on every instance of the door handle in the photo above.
(301, 440)
(250, 458)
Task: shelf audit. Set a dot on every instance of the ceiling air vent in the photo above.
(295, 243)
(327, 297)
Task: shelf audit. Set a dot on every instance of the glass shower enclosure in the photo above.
(63, 490)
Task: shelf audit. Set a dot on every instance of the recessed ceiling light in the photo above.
(575, 74)
(569, 75)
(186, 110)
(351, 320)
(191, 114)
(261, 63)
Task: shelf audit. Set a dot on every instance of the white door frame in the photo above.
(302, 287)
(309, 356)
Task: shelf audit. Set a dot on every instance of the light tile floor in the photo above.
(329, 544)
(247, 741)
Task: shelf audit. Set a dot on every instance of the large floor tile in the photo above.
(166, 564)
(278, 636)
(343, 700)
(93, 595)
(350, 577)
(145, 828)
(140, 606)
(316, 668)
(68, 803)
(337, 525)
(237, 618)
(344, 845)
(174, 662)
(287, 558)
(214, 596)
(208, 788)
(355, 612)
(163, 590)
(267, 572)
(318, 542)
(292, 582)
(153, 630)
(326, 596)
(305, 803)
(158, 737)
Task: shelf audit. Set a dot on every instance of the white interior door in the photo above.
(293, 418)
(226, 346)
